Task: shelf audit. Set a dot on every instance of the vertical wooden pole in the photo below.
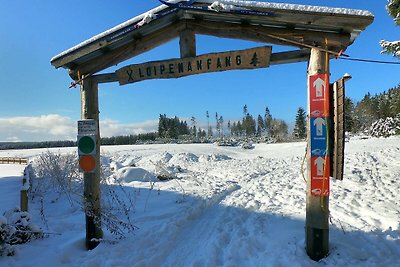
(25, 188)
(90, 110)
(317, 210)
(187, 43)
(24, 200)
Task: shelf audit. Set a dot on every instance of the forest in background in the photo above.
(376, 115)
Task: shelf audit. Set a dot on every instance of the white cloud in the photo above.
(56, 127)
(40, 128)
(113, 128)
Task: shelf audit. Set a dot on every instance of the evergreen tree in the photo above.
(393, 8)
(171, 127)
(349, 123)
(221, 125)
(300, 124)
(208, 124)
(268, 121)
(260, 125)
(193, 120)
(210, 132)
(279, 129)
(249, 125)
(217, 126)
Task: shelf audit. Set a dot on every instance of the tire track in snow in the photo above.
(197, 227)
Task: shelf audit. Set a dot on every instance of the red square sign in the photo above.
(319, 95)
(320, 176)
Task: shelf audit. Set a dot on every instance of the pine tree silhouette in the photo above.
(254, 60)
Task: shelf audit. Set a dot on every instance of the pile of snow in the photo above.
(182, 158)
(213, 157)
(385, 127)
(131, 174)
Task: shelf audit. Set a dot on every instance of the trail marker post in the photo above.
(89, 148)
(317, 210)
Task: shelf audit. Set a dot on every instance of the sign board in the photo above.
(320, 176)
(214, 62)
(337, 134)
(87, 127)
(87, 130)
(319, 134)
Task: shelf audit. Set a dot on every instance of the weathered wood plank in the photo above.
(338, 130)
(290, 57)
(129, 50)
(263, 34)
(105, 78)
(214, 62)
(187, 43)
(310, 20)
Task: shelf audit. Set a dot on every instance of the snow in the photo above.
(227, 207)
(294, 7)
(216, 6)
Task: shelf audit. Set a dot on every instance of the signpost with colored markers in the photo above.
(319, 134)
(87, 145)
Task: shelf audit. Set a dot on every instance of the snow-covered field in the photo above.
(227, 207)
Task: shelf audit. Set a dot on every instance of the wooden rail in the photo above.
(13, 160)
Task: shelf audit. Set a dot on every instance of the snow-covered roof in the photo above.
(282, 14)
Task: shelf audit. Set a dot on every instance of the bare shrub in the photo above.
(60, 173)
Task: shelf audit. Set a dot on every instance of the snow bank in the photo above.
(247, 209)
(131, 174)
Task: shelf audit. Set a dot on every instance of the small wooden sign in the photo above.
(174, 68)
(87, 127)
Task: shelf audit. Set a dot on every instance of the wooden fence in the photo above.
(13, 160)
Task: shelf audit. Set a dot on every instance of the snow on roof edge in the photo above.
(254, 4)
(295, 7)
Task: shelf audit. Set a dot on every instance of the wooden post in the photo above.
(25, 188)
(90, 110)
(187, 43)
(317, 210)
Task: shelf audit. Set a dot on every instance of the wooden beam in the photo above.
(253, 58)
(187, 43)
(105, 78)
(280, 36)
(284, 18)
(129, 50)
(290, 57)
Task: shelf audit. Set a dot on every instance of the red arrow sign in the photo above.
(320, 176)
(319, 95)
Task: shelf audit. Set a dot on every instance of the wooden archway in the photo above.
(316, 34)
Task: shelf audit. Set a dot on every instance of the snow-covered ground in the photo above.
(227, 207)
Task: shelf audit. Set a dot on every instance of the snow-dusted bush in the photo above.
(59, 173)
(56, 172)
(385, 127)
(16, 228)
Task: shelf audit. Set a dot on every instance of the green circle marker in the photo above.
(86, 144)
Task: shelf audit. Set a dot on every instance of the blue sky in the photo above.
(36, 103)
